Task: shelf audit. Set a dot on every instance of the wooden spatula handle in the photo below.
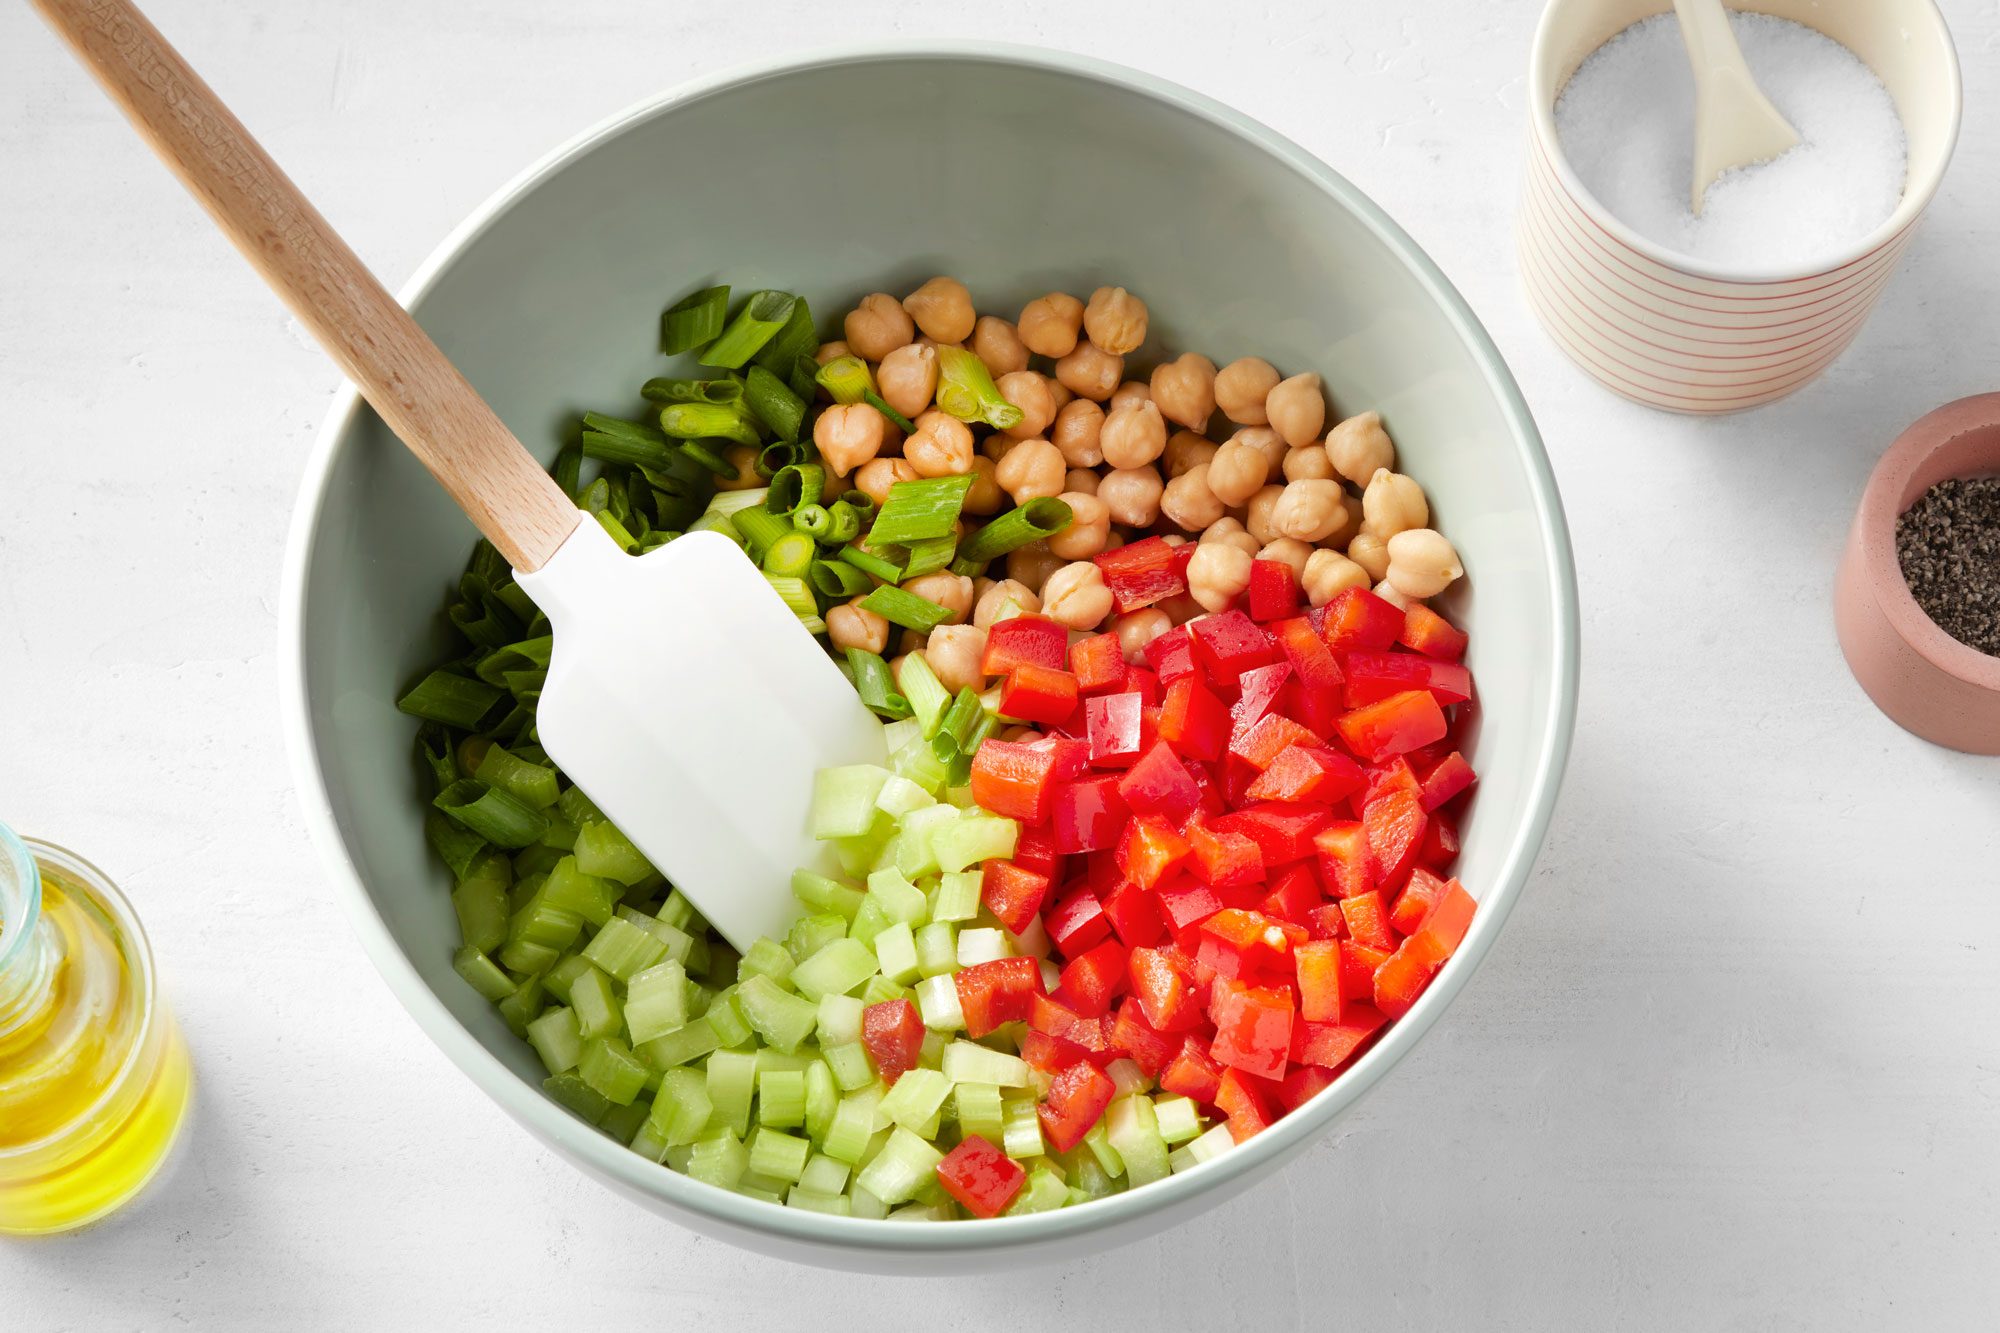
(398, 369)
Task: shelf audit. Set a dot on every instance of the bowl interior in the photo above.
(1026, 174)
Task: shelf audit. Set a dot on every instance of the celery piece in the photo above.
(681, 1108)
(560, 834)
(598, 1013)
(880, 990)
(900, 900)
(1126, 1076)
(937, 1002)
(482, 974)
(835, 970)
(492, 813)
(956, 897)
(455, 700)
(1021, 1128)
(825, 1175)
(677, 911)
(839, 1018)
(1033, 942)
(569, 888)
(526, 956)
(572, 1092)
(853, 1125)
(1211, 1145)
(1098, 1141)
(981, 944)
(916, 1097)
(481, 907)
(646, 1140)
(789, 1062)
(843, 800)
(828, 895)
(899, 796)
(810, 934)
(609, 1067)
(970, 840)
(777, 1154)
(978, 1109)
(923, 1212)
(865, 1205)
(623, 1122)
(822, 1098)
(732, 1081)
(523, 1006)
(725, 1015)
(766, 958)
(781, 1099)
(937, 949)
(531, 784)
(818, 1201)
(920, 832)
(969, 1062)
(680, 944)
(849, 1062)
(896, 953)
(781, 1019)
(857, 854)
(719, 1160)
(682, 1045)
(901, 1168)
(750, 1191)
(556, 1039)
(914, 760)
(602, 850)
(457, 846)
(1177, 1117)
(1135, 1133)
(656, 1002)
(545, 923)
(869, 921)
(1044, 1191)
(624, 950)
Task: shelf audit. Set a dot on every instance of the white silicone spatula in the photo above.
(1734, 123)
(684, 698)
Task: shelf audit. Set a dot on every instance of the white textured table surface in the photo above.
(1735, 1063)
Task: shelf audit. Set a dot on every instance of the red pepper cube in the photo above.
(1160, 784)
(1429, 633)
(1301, 1085)
(1143, 682)
(1326, 923)
(1038, 694)
(1394, 824)
(1228, 644)
(1260, 689)
(1317, 967)
(1439, 850)
(1186, 902)
(981, 1177)
(1308, 775)
(1373, 676)
(1225, 860)
(1253, 1027)
(1049, 1054)
(1162, 990)
(1077, 923)
(1267, 740)
(1357, 618)
(1274, 591)
(1147, 850)
(1035, 848)
(1368, 920)
(1013, 778)
(1086, 814)
(1357, 969)
(1013, 893)
(1072, 756)
(1343, 858)
(1068, 1035)
(1283, 833)
(1313, 694)
(1145, 1044)
(1294, 892)
(1193, 720)
(1098, 662)
(1413, 906)
(1393, 726)
(1171, 656)
(1134, 917)
(994, 993)
(1331, 1045)
(1142, 573)
(1029, 640)
(1237, 942)
(893, 1034)
(1192, 1073)
(1075, 1102)
(1452, 776)
(1093, 979)
(1112, 723)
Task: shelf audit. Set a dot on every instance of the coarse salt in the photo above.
(1626, 120)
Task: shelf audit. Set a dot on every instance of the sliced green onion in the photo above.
(903, 423)
(455, 700)
(567, 470)
(837, 582)
(870, 562)
(491, 813)
(724, 390)
(846, 378)
(794, 487)
(927, 557)
(966, 390)
(920, 510)
(775, 458)
(756, 323)
(796, 339)
(872, 682)
(760, 529)
(927, 695)
(693, 320)
(844, 523)
(1031, 522)
(773, 403)
(899, 607)
(796, 594)
(609, 448)
(955, 726)
(790, 556)
(702, 421)
(813, 520)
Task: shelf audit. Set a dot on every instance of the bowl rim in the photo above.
(614, 1161)
(1917, 192)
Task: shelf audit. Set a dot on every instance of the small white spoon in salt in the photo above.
(1734, 123)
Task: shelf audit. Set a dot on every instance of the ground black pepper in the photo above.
(1948, 544)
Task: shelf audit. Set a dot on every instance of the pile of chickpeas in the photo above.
(1131, 457)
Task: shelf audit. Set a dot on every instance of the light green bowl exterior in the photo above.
(1019, 171)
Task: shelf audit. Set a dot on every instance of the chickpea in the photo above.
(1422, 562)
(1115, 320)
(907, 378)
(876, 476)
(1288, 551)
(1076, 432)
(1082, 480)
(1218, 574)
(1132, 494)
(1077, 596)
(1358, 447)
(1133, 436)
(995, 343)
(1131, 391)
(1309, 511)
(1230, 532)
(1049, 324)
(925, 340)
(1266, 442)
(849, 436)
(1370, 552)
(1184, 388)
(954, 653)
(878, 326)
(1089, 526)
(1189, 502)
(1031, 565)
(832, 351)
(1136, 629)
(996, 597)
(1090, 372)
(1241, 388)
(1059, 394)
(1236, 472)
(941, 447)
(953, 592)
(1308, 463)
(1174, 538)
(1297, 409)
(1181, 608)
(984, 496)
(854, 626)
(742, 457)
(1395, 596)
(1393, 503)
(1257, 515)
(1187, 450)
(1031, 470)
(1328, 574)
(1029, 392)
(996, 445)
(942, 308)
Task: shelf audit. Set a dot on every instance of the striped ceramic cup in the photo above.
(1672, 332)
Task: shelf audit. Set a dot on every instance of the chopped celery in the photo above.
(556, 1039)
(482, 974)
(863, 1204)
(835, 970)
(719, 1160)
(900, 900)
(869, 921)
(682, 1045)
(921, 831)
(1212, 1144)
(1021, 1128)
(656, 1002)
(1178, 1118)
(782, 1019)
(680, 944)
(481, 907)
(923, 1212)
(623, 949)
(602, 850)
(825, 1175)
(766, 958)
(778, 1154)
(969, 1062)
(578, 1096)
(853, 1126)
(646, 1140)
(956, 897)
(1126, 1076)
(573, 890)
(783, 1062)
(810, 934)
(916, 1098)
(1098, 1140)
(973, 839)
(937, 1003)
(732, 1081)
(839, 1019)
(1089, 1180)
(749, 1189)
(1135, 1133)
(1045, 1190)
(781, 1099)
(850, 1066)
(896, 953)
(818, 1202)
(523, 1006)
(681, 1107)
(982, 944)
(901, 1169)
(937, 948)
(899, 796)
(822, 1097)
(843, 800)
(725, 1015)
(827, 895)
(913, 760)
(978, 1108)
(608, 1066)
(533, 785)
(598, 1013)
(678, 912)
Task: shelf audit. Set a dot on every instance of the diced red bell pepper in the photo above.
(1186, 902)
(1013, 893)
(1301, 1085)
(1171, 656)
(1093, 979)
(1014, 779)
(1357, 969)
(1308, 774)
(1162, 991)
(1294, 892)
(1112, 722)
(1224, 860)
(1237, 942)
(1098, 663)
(1316, 677)
(1086, 814)
(1372, 676)
(1037, 693)
(982, 1177)
(1025, 640)
(893, 1034)
(1253, 1026)
(1160, 784)
(1074, 1036)
(1193, 720)
(1228, 644)
(1049, 1054)
(1243, 1104)
(1035, 848)
(993, 993)
(1283, 833)
(1100, 871)
(1214, 799)
(1145, 572)
(1343, 858)
(1414, 904)
(1394, 725)
(1357, 618)
(1440, 846)
(1431, 634)
(1452, 776)
(1149, 1047)
(1403, 976)
(1134, 916)
(1077, 923)
(1326, 923)
(1394, 823)
(1395, 774)
(1145, 684)
(1331, 1045)
(1317, 966)
(1191, 1073)
(1368, 920)
(1274, 591)
(1268, 739)
(1259, 688)
(1147, 850)
(1074, 1103)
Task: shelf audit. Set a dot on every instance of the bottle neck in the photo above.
(30, 952)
